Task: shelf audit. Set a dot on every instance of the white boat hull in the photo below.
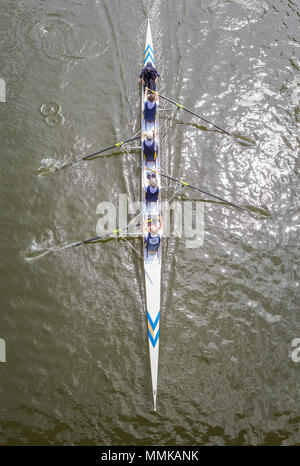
(152, 264)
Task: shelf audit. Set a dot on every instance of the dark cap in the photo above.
(149, 64)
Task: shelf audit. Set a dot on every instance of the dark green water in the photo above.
(77, 366)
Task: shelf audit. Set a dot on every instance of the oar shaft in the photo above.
(195, 114)
(108, 235)
(212, 195)
(119, 144)
(115, 232)
(184, 183)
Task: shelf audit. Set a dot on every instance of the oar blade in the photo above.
(52, 165)
(37, 252)
(243, 141)
(257, 210)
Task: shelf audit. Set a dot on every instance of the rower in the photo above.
(149, 77)
(150, 108)
(152, 190)
(153, 236)
(149, 145)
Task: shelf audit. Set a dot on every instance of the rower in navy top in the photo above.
(149, 76)
(152, 237)
(150, 108)
(152, 190)
(149, 145)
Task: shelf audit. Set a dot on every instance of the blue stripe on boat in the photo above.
(151, 58)
(153, 324)
(155, 339)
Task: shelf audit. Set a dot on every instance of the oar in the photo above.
(118, 144)
(184, 183)
(98, 238)
(238, 139)
(95, 239)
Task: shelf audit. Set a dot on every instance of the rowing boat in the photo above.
(152, 264)
(151, 212)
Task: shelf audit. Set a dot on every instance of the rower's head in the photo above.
(149, 66)
(153, 182)
(149, 135)
(153, 228)
(151, 97)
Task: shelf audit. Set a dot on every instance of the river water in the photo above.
(77, 364)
